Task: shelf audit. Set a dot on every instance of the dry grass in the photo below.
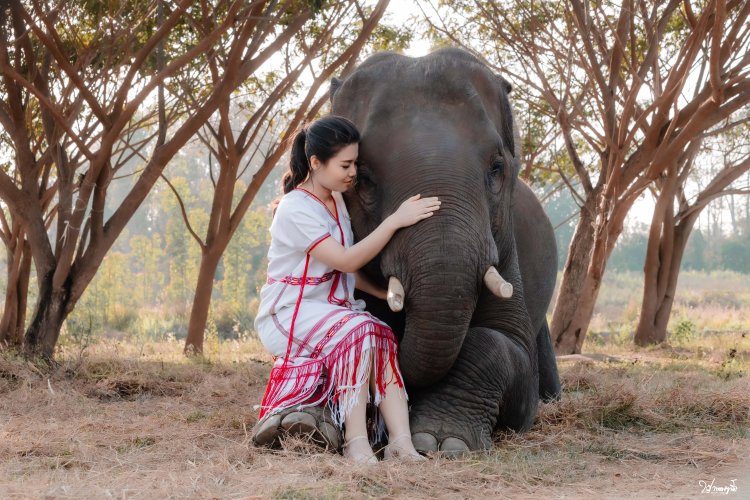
(712, 302)
(135, 421)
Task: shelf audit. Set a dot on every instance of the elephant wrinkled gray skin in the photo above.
(441, 125)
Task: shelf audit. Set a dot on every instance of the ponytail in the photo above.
(299, 165)
(322, 138)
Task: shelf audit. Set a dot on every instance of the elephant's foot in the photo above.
(490, 384)
(451, 439)
(549, 379)
(451, 447)
(313, 422)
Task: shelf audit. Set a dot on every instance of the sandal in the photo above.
(360, 459)
(393, 450)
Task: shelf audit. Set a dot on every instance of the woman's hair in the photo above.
(322, 138)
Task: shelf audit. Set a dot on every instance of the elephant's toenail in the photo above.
(424, 442)
(267, 430)
(453, 447)
(330, 434)
(299, 422)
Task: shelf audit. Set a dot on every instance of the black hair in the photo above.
(322, 138)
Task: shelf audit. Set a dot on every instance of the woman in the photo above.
(327, 349)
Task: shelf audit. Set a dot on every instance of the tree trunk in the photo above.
(10, 310)
(52, 308)
(16, 295)
(589, 252)
(571, 317)
(569, 295)
(660, 282)
(202, 299)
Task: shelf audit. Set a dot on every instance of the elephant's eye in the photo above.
(497, 167)
(496, 174)
(366, 188)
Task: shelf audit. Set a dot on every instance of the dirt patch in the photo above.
(121, 426)
(129, 388)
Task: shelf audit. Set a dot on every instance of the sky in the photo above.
(400, 11)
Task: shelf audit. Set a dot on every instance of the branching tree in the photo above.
(109, 63)
(622, 81)
(17, 283)
(35, 142)
(324, 46)
(721, 156)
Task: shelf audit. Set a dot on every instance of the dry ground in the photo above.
(125, 421)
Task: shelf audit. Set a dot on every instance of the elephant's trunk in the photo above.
(442, 275)
(433, 336)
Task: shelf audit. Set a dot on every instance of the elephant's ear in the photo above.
(516, 136)
(516, 132)
(506, 84)
(335, 84)
(513, 134)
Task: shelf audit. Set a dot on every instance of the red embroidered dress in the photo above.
(308, 318)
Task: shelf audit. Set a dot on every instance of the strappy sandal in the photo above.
(392, 450)
(360, 459)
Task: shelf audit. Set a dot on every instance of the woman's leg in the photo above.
(395, 411)
(357, 444)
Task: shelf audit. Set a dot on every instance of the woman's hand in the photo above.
(362, 282)
(348, 260)
(413, 210)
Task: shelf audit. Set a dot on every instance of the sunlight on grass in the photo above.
(127, 411)
(139, 416)
(705, 304)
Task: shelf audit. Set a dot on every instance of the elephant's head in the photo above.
(440, 125)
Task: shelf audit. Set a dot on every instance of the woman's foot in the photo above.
(357, 449)
(401, 447)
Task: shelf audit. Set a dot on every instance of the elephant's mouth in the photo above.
(492, 280)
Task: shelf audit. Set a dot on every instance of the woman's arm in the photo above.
(362, 282)
(349, 260)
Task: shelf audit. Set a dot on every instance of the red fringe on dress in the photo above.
(303, 383)
(336, 378)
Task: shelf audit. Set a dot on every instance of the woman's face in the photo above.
(339, 172)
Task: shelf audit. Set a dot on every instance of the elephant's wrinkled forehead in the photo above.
(432, 95)
(437, 132)
(437, 95)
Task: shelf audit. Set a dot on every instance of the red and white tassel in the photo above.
(292, 385)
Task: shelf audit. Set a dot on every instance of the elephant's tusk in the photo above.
(395, 294)
(496, 284)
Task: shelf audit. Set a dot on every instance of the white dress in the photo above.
(309, 320)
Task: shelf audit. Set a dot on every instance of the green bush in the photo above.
(684, 331)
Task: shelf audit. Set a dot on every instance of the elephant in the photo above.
(474, 356)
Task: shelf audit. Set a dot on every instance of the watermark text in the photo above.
(712, 487)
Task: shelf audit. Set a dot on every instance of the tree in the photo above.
(18, 265)
(109, 63)
(726, 151)
(622, 83)
(326, 45)
(36, 144)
